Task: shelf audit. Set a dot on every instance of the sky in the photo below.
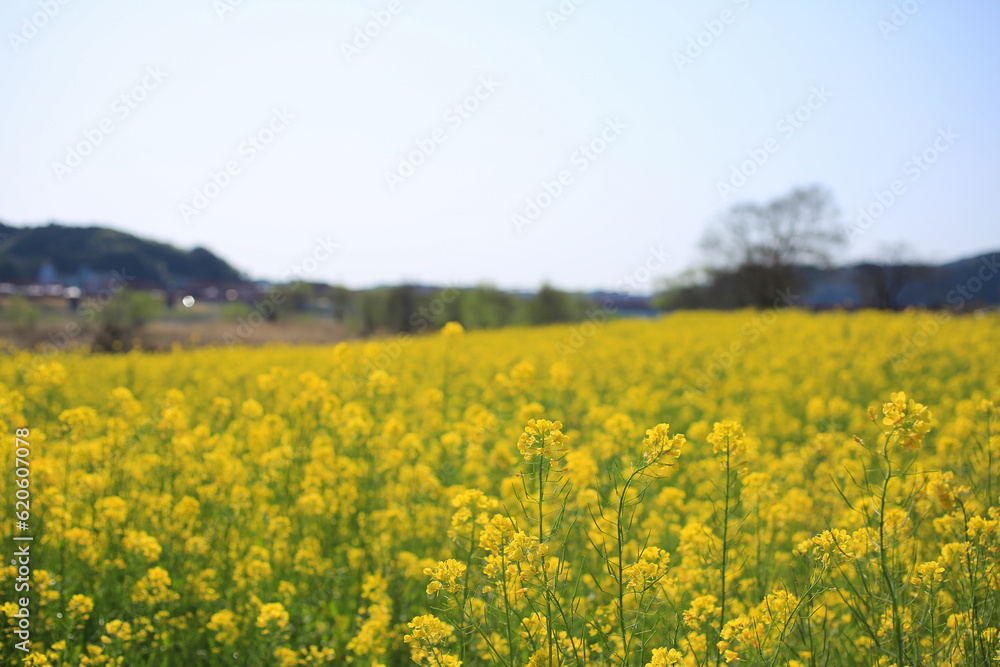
(583, 143)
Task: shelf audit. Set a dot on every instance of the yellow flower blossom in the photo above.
(542, 438)
(272, 617)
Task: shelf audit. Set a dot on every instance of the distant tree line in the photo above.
(384, 310)
(767, 255)
(756, 255)
(414, 309)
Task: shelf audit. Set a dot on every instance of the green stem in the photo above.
(725, 549)
(897, 627)
(541, 542)
(621, 569)
(465, 593)
(506, 603)
(930, 599)
(760, 556)
(989, 467)
(976, 634)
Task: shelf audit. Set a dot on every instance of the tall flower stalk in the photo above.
(729, 444)
(544, 444)
(660, 453)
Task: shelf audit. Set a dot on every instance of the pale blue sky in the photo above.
(679, 131)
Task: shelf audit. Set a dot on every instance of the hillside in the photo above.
(968, 282)
(70, 254)
(971, 282)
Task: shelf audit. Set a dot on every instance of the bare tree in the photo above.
(755, 250)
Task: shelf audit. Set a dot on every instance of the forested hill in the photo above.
(26, 253)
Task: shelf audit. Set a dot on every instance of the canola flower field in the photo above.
(777, 488)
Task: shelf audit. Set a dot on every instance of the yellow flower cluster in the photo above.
(471, 506)
(836, 545)
(660, 450)
(446, 575)
(928, 573)
(727, 438)
(519, 500)
(650, 568)
(663, 657)
(426, 636)
(272, 617)
(542, 438)
(910, 421)
(702, 608)
(154, 588)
